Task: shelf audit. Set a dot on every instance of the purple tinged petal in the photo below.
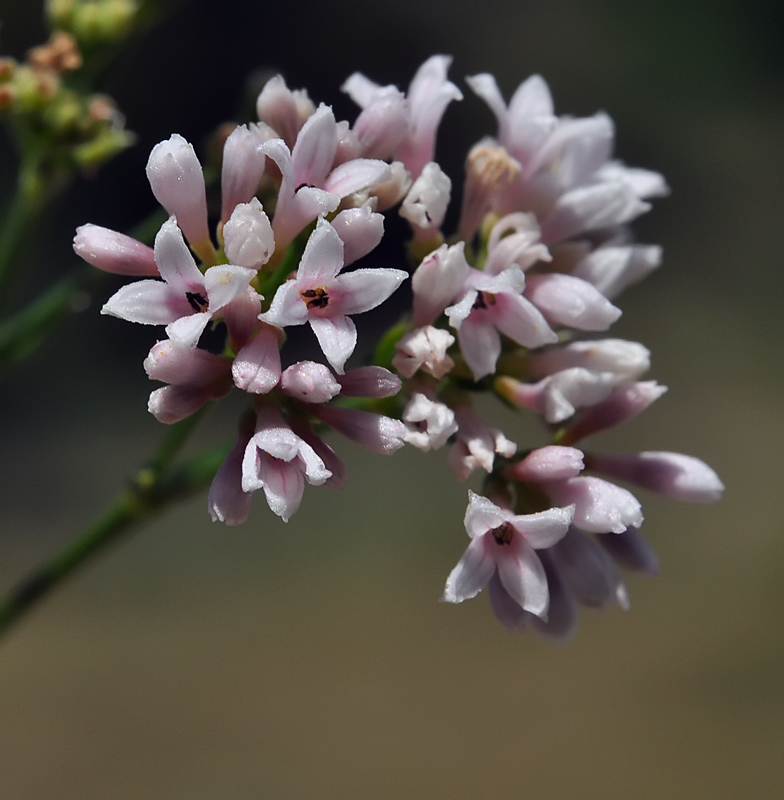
(623, 404)
(472, 573)
(677, 476)
(384, 124)
(171, 404)
(226, 501)
(256, 368)
(589, 572)
(337, 337)
(360, 89)
(522, 575)
(114, 252)
(147, 302)
(376, 432)
(375, 382)
(328, 456)
(507, 611)
(172, 364)
(355, 175)
(309, 382)
(294, 212)
(566, 300)
(484, 85)
(561, 622)
(626, 360)
(241, 317)
(630, 550)
(277, 106)
(360, 230)
(364, 289)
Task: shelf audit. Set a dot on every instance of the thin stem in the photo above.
(153, 488)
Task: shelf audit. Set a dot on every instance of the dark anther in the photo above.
(503, 534)
(197, 301)
(315, 298)
(483, 300)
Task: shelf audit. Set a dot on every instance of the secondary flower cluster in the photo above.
(513, 305)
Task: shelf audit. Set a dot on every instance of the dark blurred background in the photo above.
(312, 660)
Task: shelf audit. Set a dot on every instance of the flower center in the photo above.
(315, 298)
(484, 300)
(197, 301)
(503, 534)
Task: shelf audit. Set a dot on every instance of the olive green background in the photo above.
(312, 660)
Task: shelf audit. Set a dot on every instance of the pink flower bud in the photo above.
(114, 252)
(437, 281)
(565, 300)
(378, 433)
(248, 236)
(177, 182)
(626, 360)
(550, 463)
(674, 475)
(375, 382)
(283, 109)
(623, 404)
(427, 199)
(383, 125)
(309, 382)
(243, 166)
(360, 229)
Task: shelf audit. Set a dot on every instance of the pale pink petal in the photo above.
(522, 575)
(171, 404)
(241, 170)
(186, 331)
(521, 321)
(472, 573)
(256, 368)
(283, 484)
(225, 283)
(314, 153)
(480, 345)
(545, 528)
(355, 175)
(241, 317)
(364, 289)
(147, 302)
(360, 89)
(322, 259)
(174, 259)
(482, 515)
(226, 501)
(172, 364)
(600, 506)
(506, 610)
(248, 235)
(437, 281)
(566, 300)
(551, 463)
(309, 382)
(360, 230)
(287, 307)
(337, 337)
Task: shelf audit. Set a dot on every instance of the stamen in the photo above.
(315, 298)
(503, 534)
(197, 301)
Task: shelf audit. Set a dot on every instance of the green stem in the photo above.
(153, 488)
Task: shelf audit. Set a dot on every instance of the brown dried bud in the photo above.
(60, 54)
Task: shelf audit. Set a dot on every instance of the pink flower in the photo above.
(185, 301)
(428, 96)
(491, 305)
(503, 542)
(324, 298)
(278, 461)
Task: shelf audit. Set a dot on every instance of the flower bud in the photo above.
(375, 382)
(248, 237)
(383, 125)
(570, 301)
(626, 360)
(360, 230)
(309, 382)
(177, 182)
(437, 280)
(114, 252)
(243, 166)
(551, 463)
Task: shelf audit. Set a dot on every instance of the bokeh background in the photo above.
(312, 660)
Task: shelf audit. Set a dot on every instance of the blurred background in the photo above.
(312, 660)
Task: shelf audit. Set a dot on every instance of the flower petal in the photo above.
(472, 573)
(337, 337)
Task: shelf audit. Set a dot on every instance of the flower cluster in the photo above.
(514, 305)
